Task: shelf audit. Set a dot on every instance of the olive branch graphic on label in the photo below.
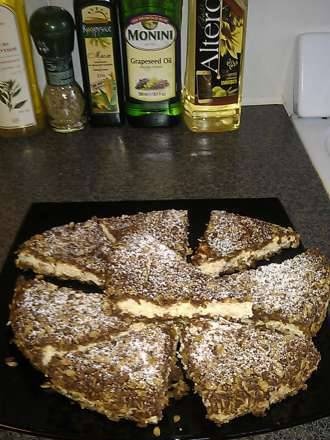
(8, 91)
(99, 41)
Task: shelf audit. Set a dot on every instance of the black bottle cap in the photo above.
(52, 29)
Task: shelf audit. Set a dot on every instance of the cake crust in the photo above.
(74, 251)
(127, 377)
(233, 242)
(294, 294)
(170, 227)
(239, 369)
(115, 351)
(47, 319)
(146, 278)
(79, 251)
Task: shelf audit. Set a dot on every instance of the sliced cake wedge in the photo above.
(127, 377)
(74, 251)
(239, 369)
(293, 295)
(47, 319)
(233, 242)
(78, 251)
(146, 279)
(169, 227)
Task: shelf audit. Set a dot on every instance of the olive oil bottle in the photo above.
(21, 111)
(151, 44)
(215, 53)
(100, 56)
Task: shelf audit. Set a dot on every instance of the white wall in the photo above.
(272, 29)
(271, 34)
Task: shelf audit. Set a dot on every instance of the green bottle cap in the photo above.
(52, 29)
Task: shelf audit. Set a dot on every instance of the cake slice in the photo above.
(233, 242)
(293, 295)
(146, 279)
(47, 319)
(169, 226)
(126, 377)
(75, 251)
(239, 369)
(78, 251)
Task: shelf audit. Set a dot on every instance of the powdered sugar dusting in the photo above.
(221, 352)
(81, 244)
(297, 290)
(169, 227)
(86, 245)
(143, 267)
(44, 313)
(229, 233)
(137, 359)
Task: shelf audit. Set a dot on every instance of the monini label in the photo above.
(150, 50)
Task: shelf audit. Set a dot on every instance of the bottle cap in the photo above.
(52, 29)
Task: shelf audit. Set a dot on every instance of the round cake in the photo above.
(124, 347)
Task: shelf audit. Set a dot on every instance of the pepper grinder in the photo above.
(52, 29)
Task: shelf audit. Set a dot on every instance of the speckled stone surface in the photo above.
(263, 159)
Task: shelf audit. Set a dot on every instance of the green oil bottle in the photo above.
(151, 46)
(98, 39)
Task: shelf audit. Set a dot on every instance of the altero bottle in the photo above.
(214, 71)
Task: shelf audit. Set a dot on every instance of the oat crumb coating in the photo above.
(79, 251)
(154, 277)
(233, 242)
(126, 377)
(239, 369)
(74, 251)
(294, 294)
(170, 227)
(46, 319)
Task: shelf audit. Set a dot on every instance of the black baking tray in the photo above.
(28, 408)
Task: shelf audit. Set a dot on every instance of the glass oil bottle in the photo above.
(98, 38)
(212, 91)
(151, 32)
(21, 110)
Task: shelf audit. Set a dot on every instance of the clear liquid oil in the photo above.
(213, 81)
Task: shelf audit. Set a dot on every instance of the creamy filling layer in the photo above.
(282, 327)
(244, 257)
(49, 351)
(185, 309)
(57, 269)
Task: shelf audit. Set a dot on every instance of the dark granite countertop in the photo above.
(263, 159)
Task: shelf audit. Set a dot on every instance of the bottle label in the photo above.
(150, 49)
(219, 37)
(59, 71)
(16, 108)
(97, 33)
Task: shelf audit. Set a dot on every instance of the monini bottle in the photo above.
(100, 56)
(21, 111)
(151, 43)
(214, 71)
